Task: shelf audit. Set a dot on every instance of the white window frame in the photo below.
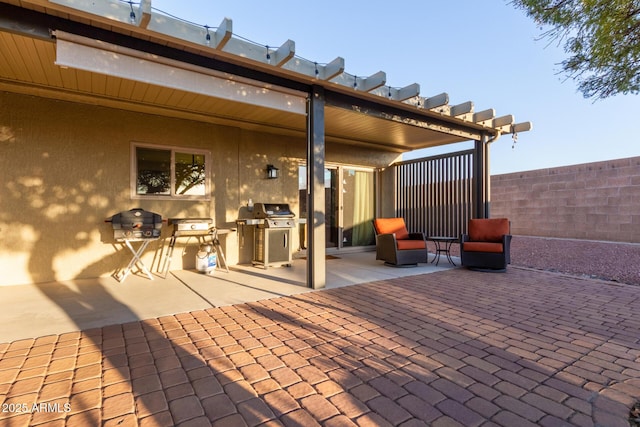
(173, 149)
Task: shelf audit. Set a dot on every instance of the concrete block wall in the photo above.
(593, 201)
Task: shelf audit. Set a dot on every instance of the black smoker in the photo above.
(272, 244)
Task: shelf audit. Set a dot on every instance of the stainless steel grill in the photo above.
(272, 239)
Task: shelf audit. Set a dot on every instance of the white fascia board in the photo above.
(108, 59)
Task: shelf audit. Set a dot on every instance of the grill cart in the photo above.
(201, 229)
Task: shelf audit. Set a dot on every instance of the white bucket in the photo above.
(206, 259)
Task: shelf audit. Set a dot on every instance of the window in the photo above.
(169, 172)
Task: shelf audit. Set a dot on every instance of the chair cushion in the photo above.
(390, 226)
(483, 247)
(411, 244)
(488, 229)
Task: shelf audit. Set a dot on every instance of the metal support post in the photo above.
(316, 268)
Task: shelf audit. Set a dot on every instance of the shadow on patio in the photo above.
(451, 348)
(53, 308)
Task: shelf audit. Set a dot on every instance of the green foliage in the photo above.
(601, 37)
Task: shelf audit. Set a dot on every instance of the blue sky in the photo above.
(487, 52)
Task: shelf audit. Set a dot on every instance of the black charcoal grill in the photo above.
(136, 225)
(272, 244)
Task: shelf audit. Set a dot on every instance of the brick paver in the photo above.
(443, 349)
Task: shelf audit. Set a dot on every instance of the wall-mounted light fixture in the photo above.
(272, 172)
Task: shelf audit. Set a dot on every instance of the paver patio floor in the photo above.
(449, 348)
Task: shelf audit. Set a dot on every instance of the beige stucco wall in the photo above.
(65, 168)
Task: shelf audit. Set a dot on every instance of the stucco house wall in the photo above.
(594, 201)
(66, 167)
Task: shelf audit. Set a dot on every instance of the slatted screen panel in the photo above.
(435, 194)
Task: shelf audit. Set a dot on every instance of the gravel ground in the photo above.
(618, 262)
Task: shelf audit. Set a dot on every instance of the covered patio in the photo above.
(95, 83)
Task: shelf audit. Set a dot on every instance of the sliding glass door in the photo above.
(349, 205)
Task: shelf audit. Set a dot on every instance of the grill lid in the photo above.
(272, 210)
(191, 226)
(135, 218)
(191, 223)
(136, 224)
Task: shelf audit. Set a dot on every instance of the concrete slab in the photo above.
(35, 310)
(52, 308)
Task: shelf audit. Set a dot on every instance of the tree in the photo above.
(601, 37)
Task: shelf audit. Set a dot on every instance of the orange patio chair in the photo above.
(396, 246)
(487, 244)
